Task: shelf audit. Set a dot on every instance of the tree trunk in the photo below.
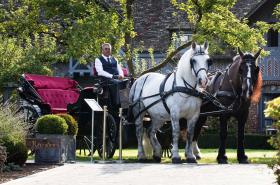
(128, 38)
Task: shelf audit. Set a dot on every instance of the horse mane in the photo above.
(257, 90)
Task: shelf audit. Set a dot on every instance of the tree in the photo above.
(277, 14)
(213, 21)
(42, 32)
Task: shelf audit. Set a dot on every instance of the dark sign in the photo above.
(35, 143)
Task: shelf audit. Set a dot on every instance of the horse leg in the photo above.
(175, 137)
(157, 151)
(241, 157)
(189, 147)
(197, 130)
(222, 158)
(139, 133)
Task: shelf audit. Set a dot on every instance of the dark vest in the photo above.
(110, 67)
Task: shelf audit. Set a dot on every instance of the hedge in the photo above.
(252, 141)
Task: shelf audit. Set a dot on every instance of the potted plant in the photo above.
(52, 143)
(71, 136)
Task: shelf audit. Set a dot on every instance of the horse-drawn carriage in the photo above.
(53, 95)
(165, 98)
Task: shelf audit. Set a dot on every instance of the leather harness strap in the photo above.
(187, 89)
(161, 91)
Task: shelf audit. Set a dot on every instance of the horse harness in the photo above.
(230, 94)
(186, 89)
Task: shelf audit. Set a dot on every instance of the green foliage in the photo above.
(37, 33)
(213, 21)
(12, 134)
(252, 141)
(72, 124)
(273, 110)
(213, 124)
(16, 60)
(277, 14)
(12, 126)
(17, 151)
(3, 157)
(51, 124)
(12, 167)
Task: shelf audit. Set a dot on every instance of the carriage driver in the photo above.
(107, 66)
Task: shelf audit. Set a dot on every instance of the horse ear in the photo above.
(258, 53)
(193, 45)
(240, 52)
(206, 45)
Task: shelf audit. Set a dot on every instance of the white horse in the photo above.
(169, 98)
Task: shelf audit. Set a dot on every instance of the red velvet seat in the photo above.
(55, 91)
(58, 99)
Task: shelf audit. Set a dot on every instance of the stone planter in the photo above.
(51, 148)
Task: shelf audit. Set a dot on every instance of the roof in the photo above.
(244, 8)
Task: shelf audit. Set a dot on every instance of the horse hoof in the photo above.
(142, 160)
(197, 157)
(176, 160)
(191, 160)
(157, 159)
(243, 161)
(222, 161)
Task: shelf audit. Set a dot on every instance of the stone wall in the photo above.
(253, 119)
(154, 22)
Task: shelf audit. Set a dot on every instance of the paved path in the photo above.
(150, 174)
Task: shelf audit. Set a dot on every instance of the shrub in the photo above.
(11, 124)
(273, 110)
(71, 122)
(51, 124)
(13, 131)
(17, 152)
(3, 157)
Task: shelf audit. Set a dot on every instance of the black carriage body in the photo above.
(82, 112)
(78, 109)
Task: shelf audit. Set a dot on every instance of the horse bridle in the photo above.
(249, 62)
(193, 60)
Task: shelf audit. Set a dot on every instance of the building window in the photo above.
(272, 38)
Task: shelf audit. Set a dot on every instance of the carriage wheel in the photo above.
(29, 115)
(111, 137)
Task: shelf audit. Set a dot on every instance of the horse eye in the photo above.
(192, 61)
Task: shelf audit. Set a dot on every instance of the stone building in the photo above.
(155, 24)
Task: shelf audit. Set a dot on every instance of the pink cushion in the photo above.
(48, 82)
(58, 99)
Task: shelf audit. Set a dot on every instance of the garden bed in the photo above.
(27, 169)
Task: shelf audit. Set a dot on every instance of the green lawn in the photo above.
(208, 156)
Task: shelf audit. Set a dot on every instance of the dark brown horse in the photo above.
(236, 87)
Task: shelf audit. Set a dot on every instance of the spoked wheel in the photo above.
(111, 137)
(29, 115)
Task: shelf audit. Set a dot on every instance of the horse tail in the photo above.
(132, 92)
(147, 146)
(130, 115)
(257, 92)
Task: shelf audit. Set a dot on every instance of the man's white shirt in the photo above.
(101, 72)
